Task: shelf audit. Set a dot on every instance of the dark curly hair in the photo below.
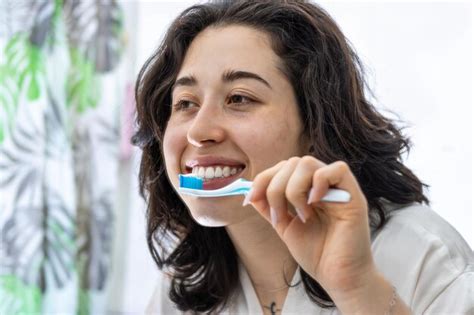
(328, 80)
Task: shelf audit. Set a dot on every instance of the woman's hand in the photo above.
(330, 241)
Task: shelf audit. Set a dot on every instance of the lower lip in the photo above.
(217, 183)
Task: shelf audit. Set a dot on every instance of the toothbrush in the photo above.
(190, 184)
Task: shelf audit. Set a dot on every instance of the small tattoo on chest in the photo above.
(272, 308)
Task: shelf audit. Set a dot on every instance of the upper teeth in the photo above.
(210, 172)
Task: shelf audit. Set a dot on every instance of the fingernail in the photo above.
(300, 214)
(312, 195)
(247, 198)
(273, 216)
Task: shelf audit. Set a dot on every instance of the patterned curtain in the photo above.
(60, 103)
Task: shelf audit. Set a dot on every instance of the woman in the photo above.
(270, 91)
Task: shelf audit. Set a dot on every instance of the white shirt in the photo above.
(424, 257)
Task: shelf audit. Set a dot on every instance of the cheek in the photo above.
(174, 142)
(268, 141)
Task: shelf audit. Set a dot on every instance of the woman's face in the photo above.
(234, 115)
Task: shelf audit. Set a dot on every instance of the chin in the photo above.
(210, 221)
(212, 212)
(211, 218)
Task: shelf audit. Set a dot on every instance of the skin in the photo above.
(215, 124)
(259, 125)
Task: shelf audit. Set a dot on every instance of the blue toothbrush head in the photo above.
(190, 181)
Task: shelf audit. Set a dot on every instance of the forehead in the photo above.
(233, 46)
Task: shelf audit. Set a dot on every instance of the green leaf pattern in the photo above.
(59, 138)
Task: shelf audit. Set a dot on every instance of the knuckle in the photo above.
(259, 177)
(318, 174)
(274, 192)
(307, 159)
(342, 166)
(282, 162)
(291, 194)
(293, 159)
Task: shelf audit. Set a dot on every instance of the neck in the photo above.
(265, 257)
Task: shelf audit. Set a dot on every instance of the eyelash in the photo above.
(249, 100)
(181, 105)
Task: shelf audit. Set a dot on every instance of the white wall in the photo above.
(419, 58)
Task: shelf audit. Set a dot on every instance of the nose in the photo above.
(207, 127)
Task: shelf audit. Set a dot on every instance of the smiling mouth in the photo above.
(218, 176)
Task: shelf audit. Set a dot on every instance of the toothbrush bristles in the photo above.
(190, 181)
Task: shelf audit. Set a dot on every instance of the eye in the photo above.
(239, 99)
(183, 105)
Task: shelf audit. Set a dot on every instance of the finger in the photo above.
(300, 184)
(276, 196)
(261, 182)
(338, 175)
(257, 194)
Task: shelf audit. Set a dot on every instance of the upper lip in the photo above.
(212, 160)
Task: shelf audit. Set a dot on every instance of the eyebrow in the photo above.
(233, 75)
(184, 81)
(227, 77)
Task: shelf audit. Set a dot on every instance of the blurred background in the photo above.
(72, 223)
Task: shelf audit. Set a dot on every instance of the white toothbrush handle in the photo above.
(336, 195)
(239, 187)
(242, 186)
